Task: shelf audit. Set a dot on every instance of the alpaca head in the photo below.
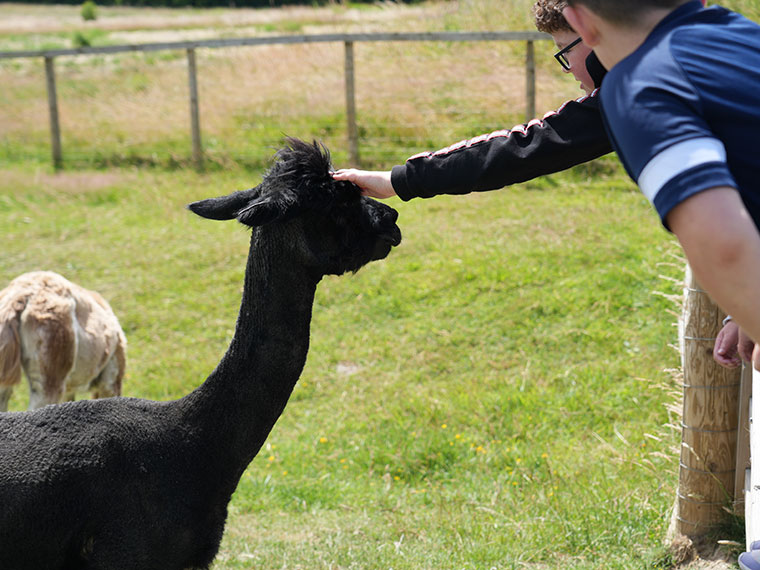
(329, 224)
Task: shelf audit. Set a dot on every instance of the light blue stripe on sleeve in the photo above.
(677, 159)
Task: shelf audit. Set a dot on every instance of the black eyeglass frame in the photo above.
(560, 55)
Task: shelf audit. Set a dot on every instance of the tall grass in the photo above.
(493, 395)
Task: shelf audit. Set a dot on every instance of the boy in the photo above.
(682, 105)
(571, 135)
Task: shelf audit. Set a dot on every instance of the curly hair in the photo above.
(548, 17)
(626, 12)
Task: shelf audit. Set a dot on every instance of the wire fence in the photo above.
(372, 96)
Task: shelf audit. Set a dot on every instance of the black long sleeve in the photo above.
(571, 135)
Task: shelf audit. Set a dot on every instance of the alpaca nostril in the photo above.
(392, 235)
(396, 231)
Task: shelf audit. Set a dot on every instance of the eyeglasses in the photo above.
(562, 58)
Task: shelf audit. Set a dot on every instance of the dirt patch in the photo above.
(702, 555)
(63, 182)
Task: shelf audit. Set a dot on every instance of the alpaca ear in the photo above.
(224, 207)
(260, 211)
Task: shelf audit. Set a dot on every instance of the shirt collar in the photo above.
(683, 10)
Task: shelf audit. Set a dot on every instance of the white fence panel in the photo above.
(752, 474)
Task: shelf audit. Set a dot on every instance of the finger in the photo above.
(719, 348)
(727, 362)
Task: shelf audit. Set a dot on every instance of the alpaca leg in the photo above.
(108, 382)
(46, 383)
(10, 357)
(44, 391)
(5, 396)
(49, 349)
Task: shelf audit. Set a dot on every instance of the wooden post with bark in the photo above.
(195, 122)
(710, 420)
(55, 125)
(530, 81)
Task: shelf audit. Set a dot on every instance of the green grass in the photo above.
(483, 398)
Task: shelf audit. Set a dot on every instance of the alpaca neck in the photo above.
(246, 393)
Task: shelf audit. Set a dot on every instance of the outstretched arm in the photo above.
(722, 245)
(571, 135)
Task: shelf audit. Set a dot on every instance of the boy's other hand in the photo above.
(725, 352)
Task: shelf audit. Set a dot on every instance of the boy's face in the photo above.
(576, 57)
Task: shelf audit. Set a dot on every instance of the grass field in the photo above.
(494, 394)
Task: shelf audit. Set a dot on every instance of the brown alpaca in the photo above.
(66, 338)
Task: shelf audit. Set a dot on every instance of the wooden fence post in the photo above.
(195, 123)
(530, 81)
(55, 127)
(710, 420)
(353, 131)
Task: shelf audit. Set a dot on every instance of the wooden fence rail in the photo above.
(348, 41)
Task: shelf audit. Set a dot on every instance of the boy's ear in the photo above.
(583, 21)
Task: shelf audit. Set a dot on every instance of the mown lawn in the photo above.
(493, 394)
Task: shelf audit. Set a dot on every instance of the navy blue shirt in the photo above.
(683, 110)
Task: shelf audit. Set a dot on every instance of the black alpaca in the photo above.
(123, 483)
